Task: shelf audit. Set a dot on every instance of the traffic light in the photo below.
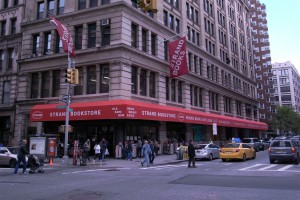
(72, 76)
(68, 76)
(148, 5)
(75, 76)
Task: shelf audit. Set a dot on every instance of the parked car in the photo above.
(8, 156)
(241, 151)
(284, 150)
(207, 151)
(255, 143)
(266, 142)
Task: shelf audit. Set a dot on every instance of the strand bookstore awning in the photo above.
(129, 109)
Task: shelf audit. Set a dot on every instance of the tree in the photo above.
(286, 120)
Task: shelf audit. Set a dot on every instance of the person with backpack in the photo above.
(146, 151)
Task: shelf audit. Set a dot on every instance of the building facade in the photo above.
(286, 84)
(125, 90)
(11, 13)
(262, 61)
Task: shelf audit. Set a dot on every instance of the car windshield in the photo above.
(200, 146)
(232, 145)
(247, 140)
(281, 144)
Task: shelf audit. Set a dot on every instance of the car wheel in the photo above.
(244, 157)
(211, 157)
(257, 149)
(223, 159)
(271, 161)
(12, 163)
(254, 155)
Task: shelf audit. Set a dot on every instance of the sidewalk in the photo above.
(115, 162)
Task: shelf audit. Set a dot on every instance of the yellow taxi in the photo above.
(241, 151)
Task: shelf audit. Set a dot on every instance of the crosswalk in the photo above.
(272, 167)
(163, 167)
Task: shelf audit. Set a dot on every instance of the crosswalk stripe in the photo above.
(284, 168)
(250, 167)
(163, 167)
(268, 167)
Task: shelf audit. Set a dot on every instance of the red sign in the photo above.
(128, 109)
(65, 36)
(177, 56)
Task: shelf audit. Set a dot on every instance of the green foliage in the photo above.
(286, 120)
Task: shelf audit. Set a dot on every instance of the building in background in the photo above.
(11, 13)
(287, 85)
(262, 62)
(125, 90)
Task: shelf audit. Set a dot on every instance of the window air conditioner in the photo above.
(104, 22)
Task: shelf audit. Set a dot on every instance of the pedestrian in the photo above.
(191, 154)
(129, 150)
(103, 147)
(87, 148)
(97, 152)
(145, 152)
(22, 157)
(152, 155)
(156, 146)
(139, 148)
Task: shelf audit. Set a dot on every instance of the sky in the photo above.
(283, 18)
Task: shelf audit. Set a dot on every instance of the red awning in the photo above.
(128, 109)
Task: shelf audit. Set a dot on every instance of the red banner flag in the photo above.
(65, 36)
(177, 55)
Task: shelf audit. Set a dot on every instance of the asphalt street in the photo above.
(168, 179)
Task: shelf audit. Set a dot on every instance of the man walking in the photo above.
(191, 154)
(139, 148)
(22, 157)
(145, 152)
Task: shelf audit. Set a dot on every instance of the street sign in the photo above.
(61, 107)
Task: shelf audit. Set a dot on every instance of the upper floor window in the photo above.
(50, 7)
(153, 44)
(134, 35)
(134, 80)
(10, 59)
(58, 44)
(104, 79)
(91, 80)
(143, 83)
(91, 35)
(13, 23)
(144, 40)
(78, 37)
(3, 28)
(60, 7)
(40, 9)
(56, 83)
(93, 3)
(47, 43)
(36, 44)
(6, 92)
(105, 31)
(5, 4)
(16, 2)
(152, 85)
(1, 60)
(34, 85)
(81, 4)
(45, 84)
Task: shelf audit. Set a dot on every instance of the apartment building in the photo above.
(125, 90)
(11, 12)
(262, 61)
(286, 83)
